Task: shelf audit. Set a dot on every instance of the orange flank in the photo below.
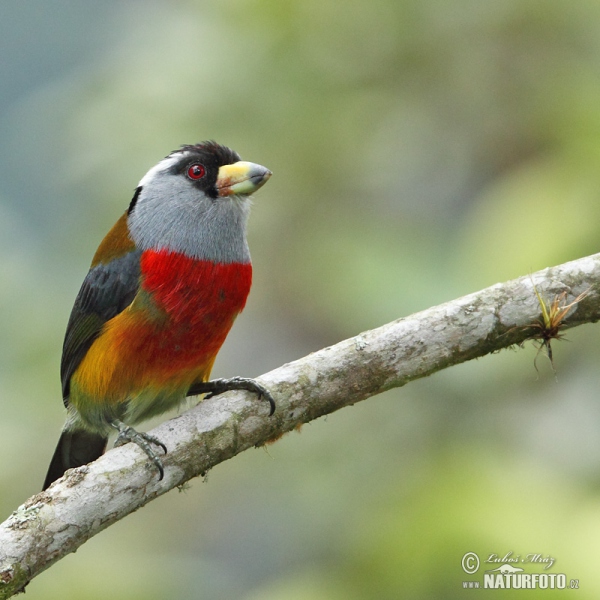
(169, 336)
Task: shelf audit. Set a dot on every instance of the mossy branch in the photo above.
(86, 500)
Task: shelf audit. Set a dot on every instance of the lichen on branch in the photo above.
(86, 500)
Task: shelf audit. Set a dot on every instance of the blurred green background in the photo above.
(421, 150)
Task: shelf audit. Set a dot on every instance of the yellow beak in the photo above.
(241, 178)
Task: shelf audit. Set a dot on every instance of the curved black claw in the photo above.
(218, 386)
(143, 440)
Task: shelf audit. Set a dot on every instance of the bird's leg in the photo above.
(218, 386)
(143, 440)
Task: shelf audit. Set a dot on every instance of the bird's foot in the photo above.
(143, 440)
(218, 386)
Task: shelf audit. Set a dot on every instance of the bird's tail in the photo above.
(75, 448)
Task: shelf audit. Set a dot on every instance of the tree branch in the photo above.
(86, 500)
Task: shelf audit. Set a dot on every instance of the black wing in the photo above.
(106, 291)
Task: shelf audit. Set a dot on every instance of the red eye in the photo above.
(196, 171)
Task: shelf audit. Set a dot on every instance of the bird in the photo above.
(163, 290)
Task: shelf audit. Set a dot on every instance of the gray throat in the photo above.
(200, 227)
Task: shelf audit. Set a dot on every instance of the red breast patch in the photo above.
(190, 290)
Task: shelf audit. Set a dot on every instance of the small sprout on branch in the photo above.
(549, 326)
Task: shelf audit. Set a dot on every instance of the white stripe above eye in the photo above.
(164, 165)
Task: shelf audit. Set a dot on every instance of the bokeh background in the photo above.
(421, 150)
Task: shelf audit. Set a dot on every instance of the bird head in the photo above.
(196, 201)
